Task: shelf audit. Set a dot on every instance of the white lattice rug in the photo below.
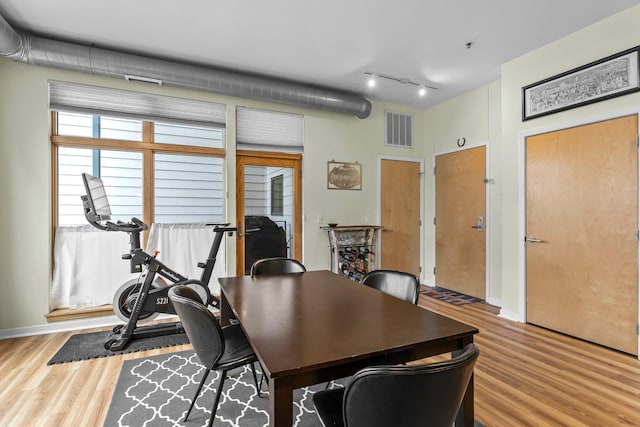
(156, 391)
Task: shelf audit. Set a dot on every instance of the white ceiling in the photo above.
(327, 43)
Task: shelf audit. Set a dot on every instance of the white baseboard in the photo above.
(61, 326)
(511, 315)
(496, 302)
(66, 325)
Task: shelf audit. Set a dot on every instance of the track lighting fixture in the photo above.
(371, 81)
(422, 87)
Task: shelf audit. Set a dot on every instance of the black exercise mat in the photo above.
(91, 346)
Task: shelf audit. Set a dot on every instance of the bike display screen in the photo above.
(97, 196)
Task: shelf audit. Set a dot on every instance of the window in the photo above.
(161, 159)
(167, 133)
(188, 189)
(186, 168)
(170, 175)
(121, 172)
(277, 193)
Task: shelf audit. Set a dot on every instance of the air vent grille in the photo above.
(398, 129)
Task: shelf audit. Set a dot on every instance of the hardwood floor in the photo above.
(525, 376)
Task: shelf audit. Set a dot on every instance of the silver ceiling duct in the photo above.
(74, 57)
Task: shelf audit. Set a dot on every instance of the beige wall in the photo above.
(474, 116)
(25, 178)
(492, 113)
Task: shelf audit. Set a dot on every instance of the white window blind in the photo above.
(124, 103)
(265, 130)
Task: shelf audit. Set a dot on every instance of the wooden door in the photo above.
(400, 216)
(461, 221)
(259, 175)
(581, 225)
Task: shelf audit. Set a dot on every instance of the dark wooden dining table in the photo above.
(309, 328)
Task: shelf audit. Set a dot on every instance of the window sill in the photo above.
(62, 314)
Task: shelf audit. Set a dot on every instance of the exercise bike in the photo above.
(143, 298)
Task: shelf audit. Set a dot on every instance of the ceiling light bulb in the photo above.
(372, 80)
(422, 91)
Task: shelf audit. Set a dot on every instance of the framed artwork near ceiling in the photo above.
(606, 78)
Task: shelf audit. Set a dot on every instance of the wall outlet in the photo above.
(319, 219)
(367, 219)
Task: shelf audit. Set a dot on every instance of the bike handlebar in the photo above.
(222, 227)
(129, 227)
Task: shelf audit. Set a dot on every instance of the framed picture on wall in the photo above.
(344, 176)
(607, 78)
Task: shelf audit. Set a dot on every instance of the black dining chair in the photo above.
(276, 265)
(396, 283)
(408, 396)
(218, 348)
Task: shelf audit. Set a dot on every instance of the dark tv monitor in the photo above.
(97, 197)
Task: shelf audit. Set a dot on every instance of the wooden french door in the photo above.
(268, 207)
(581, 232)
(461, 221)
(400, 216)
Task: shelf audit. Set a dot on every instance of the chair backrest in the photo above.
(276, 265)
(396, 283)
(200, 325)
(409, 396)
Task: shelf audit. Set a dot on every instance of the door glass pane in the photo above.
(268, 208)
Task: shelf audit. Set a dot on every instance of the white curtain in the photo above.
(88, 266)
(183, 246)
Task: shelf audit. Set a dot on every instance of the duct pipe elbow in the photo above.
(365, 110)
(12, 44)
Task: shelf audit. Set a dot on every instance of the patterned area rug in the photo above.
(451, 297)
(157, 391)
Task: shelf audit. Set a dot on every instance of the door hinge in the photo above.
(434, 220)
(637, 140)
(434, 170)
(434, 271)
(637, 236)
(420, 269)
(637, 329)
